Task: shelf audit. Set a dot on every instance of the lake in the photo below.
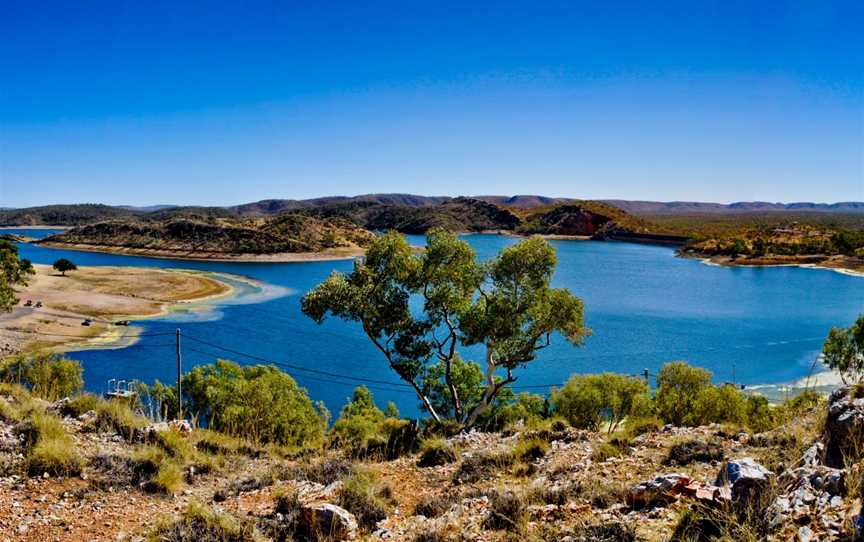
(645, 307)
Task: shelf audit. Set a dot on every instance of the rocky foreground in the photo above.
(800, 481)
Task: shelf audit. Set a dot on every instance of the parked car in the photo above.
(38, 304)
(122, 323)
(86, 322)
(29, 303)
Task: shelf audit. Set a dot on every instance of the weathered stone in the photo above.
(746, 477)
(657, 492)
(329, 521)
(844, 426)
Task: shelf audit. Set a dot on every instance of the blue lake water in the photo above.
(645, 307)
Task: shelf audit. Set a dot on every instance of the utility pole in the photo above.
(645, 374)
(179, 380)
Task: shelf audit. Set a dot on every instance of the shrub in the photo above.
(49, 448)
(47, 375)
(719, 404)
(507, 511)
(260, 403)
(363, 497)
(586, 401)
(600, 493)
(604, 451)
(80, 404)
(530, 449)
(116, 415)
(691, 451)
(480, 466)
(678, 388)
(433, 506)
(364, 430)
(322, 472)
(168, 479)
(435, 452)
(202, 524)
(640, 426)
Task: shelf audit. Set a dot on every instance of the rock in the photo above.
(88, 416)
(329, 520)
(844, 426)
(659, 491)
(746, 477)
(181, 426)
(804, 534)
(813, 455)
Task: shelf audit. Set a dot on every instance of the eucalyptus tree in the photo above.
(13, 271)
(506, 305)
(844, 351)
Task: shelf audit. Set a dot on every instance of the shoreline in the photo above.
(725, 261)
(56, 326)
(39, 227)
(279, 257)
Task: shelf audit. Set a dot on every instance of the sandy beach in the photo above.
(281, 257)
(105, 295)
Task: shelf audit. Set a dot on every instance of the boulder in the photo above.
(328, 521)
(844, 426)
(657, 492)
(746, 477)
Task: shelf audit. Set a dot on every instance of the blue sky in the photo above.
(222, 103)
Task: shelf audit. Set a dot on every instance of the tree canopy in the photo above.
(506, 305)
(844, 351)
(64, 265)
(13, 271)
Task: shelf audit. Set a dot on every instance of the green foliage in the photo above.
(259, 403)
(587, 401)
(678, 388)
(117, 415)
(844, 351)
(13, 272)
(202, 524)
(79, 404)
(530, 449)
(47, 375)
(364, 497)
(365, 430)
(508, 510)
(644, 424)
(506, 305)
(435, 452)
(719, 404)
(49, 448)
(63, 265)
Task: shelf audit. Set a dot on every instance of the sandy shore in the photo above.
(281, 257)
(840, 264)
(103, 294)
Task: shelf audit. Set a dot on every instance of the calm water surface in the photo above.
(645, 307)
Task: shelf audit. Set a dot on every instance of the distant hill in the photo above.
(523, 202)
(63, 215)
(692, 207)
(282, 234)
(275, 206)
(147, 209)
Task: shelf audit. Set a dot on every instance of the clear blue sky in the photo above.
(145, 102)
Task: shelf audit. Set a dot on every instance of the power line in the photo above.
(295, 367)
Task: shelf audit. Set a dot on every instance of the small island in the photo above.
(794, 244)
(54, 308)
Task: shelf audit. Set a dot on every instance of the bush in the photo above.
(80, 404)
(481, 466)
(587, 401)
(168, 479)
(640, 426)
(678, 389)
(116, 415)
(361, 496)
(46, 375)
(49, 448)
(691, 451)
(530, 449)
(202, 524)
(507, 511)
(435, 452)
(719, 404)
(433, 506)
(364, 430)
(259, 403)
(322, 472)
(604, 451)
